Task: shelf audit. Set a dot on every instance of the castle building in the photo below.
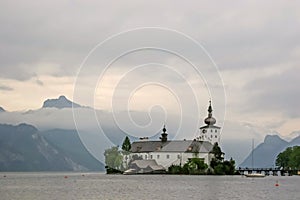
(177, 152)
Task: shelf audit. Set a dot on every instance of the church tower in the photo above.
(209, 132)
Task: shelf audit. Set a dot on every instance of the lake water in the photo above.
(101, 186)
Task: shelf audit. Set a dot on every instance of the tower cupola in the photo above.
(210, 120)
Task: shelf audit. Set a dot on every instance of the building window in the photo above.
(157, 156)
(168, 156)
(178, 156)
(145, 157)
(215, 131)
(151, 156)
(216, 136)
(211, 130)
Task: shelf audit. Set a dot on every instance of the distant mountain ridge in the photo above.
(2, 109)
(70, 143)
(264, 155)
(24, 148)
(61, 102)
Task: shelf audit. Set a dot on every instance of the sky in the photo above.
(247, 59)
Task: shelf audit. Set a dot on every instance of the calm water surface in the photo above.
(101, 186)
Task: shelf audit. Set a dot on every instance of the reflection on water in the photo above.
(100, 186)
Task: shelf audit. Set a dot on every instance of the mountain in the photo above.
(264, 155)
(61, 102)
(2, 109)
(23, 148)
(69, 142)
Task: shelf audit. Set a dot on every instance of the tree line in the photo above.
(289, 159)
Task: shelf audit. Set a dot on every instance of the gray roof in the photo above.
(210, 126)
(146, 166)
(147, 163)
(180, 146)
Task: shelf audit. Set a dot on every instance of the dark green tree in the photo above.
(218, 154)
(192, 166)
(176, 169)
(220, 166)
(229, 167)
(219, 169)
(195, 166)
(283, 158)
(294, 161)
(126, 146)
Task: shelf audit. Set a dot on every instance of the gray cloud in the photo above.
(57, 33)
(6, 88)
(276, 93)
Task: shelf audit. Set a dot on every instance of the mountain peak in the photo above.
(265, 153)
(270, 139)
(61, 102)
(62, 97)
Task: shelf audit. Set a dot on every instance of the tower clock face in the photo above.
(203, 131)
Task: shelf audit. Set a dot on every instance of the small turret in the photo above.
(164, 135)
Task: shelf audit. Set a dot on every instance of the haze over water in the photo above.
(101, 186)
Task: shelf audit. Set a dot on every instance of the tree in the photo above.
(294, 161)
(289, 159)
(283, 158)
(219, 169)
(216, 150)
(218, 156)
(229, 166)
(192, 166)
(195, 166)
(113, 158)
(126, 146)
(220, 166)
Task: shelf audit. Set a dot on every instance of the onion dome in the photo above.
(164, 129)
(210, 120)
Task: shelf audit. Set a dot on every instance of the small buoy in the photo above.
(4, 176)
(82, 175)
(276, 184)
(66, 177)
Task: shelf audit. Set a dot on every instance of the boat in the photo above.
(254, 175)
(130, 172)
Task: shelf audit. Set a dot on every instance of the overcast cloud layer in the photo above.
(255, 44)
